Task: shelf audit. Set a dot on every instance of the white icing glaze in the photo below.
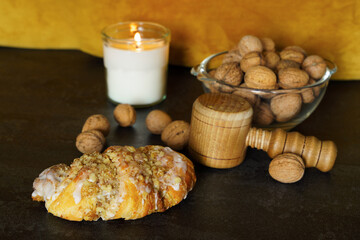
(175, 186)
(59, 189)
(156, 200)
(77, 191)
(179, 162)
(45, 189)
(180, 165)
(46, 185)
(121, 194)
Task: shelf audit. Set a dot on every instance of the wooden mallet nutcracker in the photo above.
(221, 131)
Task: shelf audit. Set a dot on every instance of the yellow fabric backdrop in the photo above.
(330, 28)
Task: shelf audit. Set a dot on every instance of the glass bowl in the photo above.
(265, 102)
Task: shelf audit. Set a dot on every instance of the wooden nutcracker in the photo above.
(221, 131)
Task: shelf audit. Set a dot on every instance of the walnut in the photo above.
(286, 106)
(97, 122)
(271, 59)
(293, 55)
(247, 95)
(212, 72)
(260, 77)
(230, 73)
(248, 44)
(263, 115)
(210, 84)
(307, 95)
(176, 134)
(315, 66)
(296, 48)
(125, 115)
(157, 120)
(287, 168)
(90, 141)
(219, 87)
(268, 44)
(286, 64)
(232, 56)
(316, 89)
(292, 78)
(267, 94)
(251, 59)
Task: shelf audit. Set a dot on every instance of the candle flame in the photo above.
(137, 39)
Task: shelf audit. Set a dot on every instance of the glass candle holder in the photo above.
(136, 58)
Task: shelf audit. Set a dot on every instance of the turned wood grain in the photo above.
(220, 133)
(315, 153)
(219, 125)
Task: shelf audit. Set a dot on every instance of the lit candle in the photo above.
(136, 60)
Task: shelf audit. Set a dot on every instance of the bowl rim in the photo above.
(200, 71)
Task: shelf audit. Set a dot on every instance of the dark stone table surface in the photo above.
(46, 95)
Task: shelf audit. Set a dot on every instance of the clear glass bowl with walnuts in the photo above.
(282, 92)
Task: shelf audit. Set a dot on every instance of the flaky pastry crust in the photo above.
(122, 182)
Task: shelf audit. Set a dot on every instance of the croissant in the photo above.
(122, 182)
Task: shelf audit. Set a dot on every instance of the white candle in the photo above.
(136, 69)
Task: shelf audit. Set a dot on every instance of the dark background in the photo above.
(45, 97)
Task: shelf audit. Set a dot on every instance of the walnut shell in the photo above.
(315, 66)
(176, 134)
(289, 54)
(315, 89)
(271, 59)
(286, 64)
(286, 106)
(268, 44)
(307, 94)
(211, 86)
(125, 115)
(247, 95)
(157, 120)
(263, 115)
(292, 78)
(219, 87)
(260, 77)
(232, 56)
(90, 141)
(248, 44)
(97, 122)
(251, 59)
(267, 95)
(230, 73)
(296, 48)
(212, 72)
(287, 168)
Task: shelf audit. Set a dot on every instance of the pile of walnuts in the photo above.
(255, 63)
(92, 138)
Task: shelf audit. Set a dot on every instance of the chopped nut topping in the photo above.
(104, 178)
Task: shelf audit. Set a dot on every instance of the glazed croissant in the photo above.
(122, 182)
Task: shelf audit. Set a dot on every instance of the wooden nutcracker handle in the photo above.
(221, 132)
(316, 153)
